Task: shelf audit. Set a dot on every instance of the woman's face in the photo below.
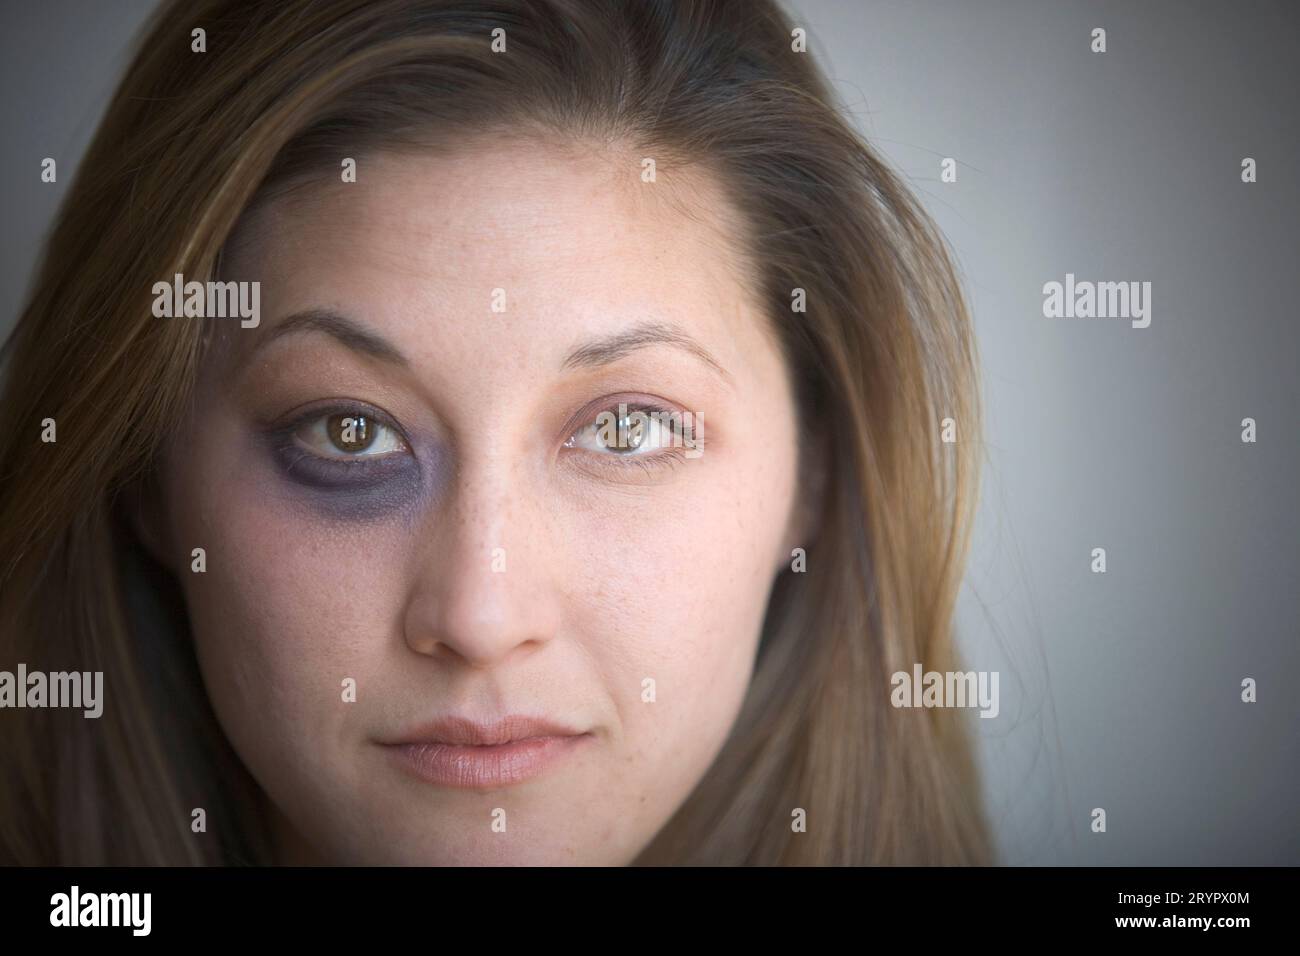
(414, 515)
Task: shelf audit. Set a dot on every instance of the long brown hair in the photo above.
(882, 354)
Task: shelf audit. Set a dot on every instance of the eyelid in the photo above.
(313, 412)
(634, 402)
(317, 434)
(667, 456)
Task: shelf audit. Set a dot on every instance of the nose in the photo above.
(488, 584)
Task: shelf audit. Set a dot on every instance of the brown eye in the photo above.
(350, 433)
(635, 430)
(350, 436)
(624, 434)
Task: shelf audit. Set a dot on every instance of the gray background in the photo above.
(1119, 690)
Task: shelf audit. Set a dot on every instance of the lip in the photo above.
(467, 754)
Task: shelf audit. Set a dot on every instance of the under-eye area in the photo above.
(343, 445)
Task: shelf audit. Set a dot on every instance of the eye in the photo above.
(629, 432)
(350, 435)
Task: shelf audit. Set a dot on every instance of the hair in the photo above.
(882, 355)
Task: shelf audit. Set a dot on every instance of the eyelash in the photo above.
(342, 467)
(669, 456)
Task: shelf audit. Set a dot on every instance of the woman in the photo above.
(539, 459)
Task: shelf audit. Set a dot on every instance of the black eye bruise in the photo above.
(367, 487)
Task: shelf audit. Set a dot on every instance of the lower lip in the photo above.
(498, 765)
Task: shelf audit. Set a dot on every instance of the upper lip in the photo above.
(466, 732)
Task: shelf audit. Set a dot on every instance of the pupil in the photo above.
(635, 426)
(350, 432)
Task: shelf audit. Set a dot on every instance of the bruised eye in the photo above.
(349, 435)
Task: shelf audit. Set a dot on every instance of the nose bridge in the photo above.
(485, 504)
(481, 590)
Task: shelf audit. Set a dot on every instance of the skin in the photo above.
(615, 570)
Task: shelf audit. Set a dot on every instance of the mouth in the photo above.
(465, 754)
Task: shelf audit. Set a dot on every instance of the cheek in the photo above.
(679, 582)
(285, 612)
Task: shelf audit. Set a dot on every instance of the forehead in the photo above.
(534, 206)
(533, 238)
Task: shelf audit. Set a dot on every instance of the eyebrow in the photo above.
(643, 335)
(595, 354)
(345, 330)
